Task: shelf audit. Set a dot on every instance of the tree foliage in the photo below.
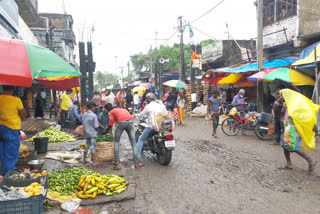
(141, 62)
(105, 79)
(207, 42)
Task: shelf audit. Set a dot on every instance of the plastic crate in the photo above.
(7, 181)
(31, 205)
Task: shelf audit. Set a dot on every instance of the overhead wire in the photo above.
(214, 7)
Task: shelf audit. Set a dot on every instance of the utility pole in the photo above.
(90, 69)
(192, 70)
(129, 73)
(160, 81)
(157, 75)
(151, 60)
(83, 71)
(182, 74)
(260, 88)
(121, 70)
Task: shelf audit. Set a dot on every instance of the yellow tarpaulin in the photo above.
(309, 59)
(55, 78)
(303, 113)
(230, 79)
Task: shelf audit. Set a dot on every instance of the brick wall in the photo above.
(279, 38)
(58, 23)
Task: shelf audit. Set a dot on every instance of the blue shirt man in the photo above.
(238, 100)
(74, 115)
(103, 119)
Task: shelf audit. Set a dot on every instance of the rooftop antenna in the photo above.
(64, 7)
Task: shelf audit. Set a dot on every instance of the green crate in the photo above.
(31, 205)
(7, 181)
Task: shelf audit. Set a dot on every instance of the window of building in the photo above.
(277, 10)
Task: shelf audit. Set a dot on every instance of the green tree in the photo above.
(140, 62)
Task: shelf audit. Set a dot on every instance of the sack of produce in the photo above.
(104, 149)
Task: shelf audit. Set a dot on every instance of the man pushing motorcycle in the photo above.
(153, 107)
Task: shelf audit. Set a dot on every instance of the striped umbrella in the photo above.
(175, 84)
(21, 62)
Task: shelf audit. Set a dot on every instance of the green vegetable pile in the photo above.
(54, 135)
(63, 181)
(105, 138)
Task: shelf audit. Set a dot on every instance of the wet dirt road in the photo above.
(225, 175)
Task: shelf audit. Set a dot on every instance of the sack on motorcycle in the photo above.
(159, 122)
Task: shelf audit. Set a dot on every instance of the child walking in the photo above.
(90, 130)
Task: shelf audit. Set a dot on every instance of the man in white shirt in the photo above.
(136, 99)
(153, 106)
(193, 100)
(108, 98)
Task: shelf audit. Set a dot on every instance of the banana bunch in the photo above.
(89, 186)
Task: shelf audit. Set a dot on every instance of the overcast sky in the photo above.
(126, 27)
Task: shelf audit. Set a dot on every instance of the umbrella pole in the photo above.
(316, 73)
(75, 85)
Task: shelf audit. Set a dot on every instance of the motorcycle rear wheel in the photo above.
(262, 134)
(164, 157)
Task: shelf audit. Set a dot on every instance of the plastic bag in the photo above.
(290, 136)
(72, 205)
(233, 111)
(303, 113)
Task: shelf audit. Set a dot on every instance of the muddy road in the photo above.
(225, 175)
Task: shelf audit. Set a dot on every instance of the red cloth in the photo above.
(119, 115)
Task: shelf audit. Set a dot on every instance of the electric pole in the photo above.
(83, 71)
(260, 88)
(182, 74)
(90, 69)
(129, 73)
(151, 60)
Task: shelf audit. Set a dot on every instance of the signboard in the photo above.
(212, 52)
(9, 10)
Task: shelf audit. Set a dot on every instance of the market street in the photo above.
(228, 175)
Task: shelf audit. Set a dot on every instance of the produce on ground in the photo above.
(89, 186)
(33, 189)
(22, 148)
(63, 181)
(54, 135)
(27, 174)
(105, 138)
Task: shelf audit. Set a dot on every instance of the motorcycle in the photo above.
(261, 126)
(161, 143)
(53, 110)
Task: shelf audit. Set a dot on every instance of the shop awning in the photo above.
(260, 75)
(230, 79)
(274, 63)
(289, 75)
(307, 55)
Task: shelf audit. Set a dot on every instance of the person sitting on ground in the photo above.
(11, 114)
(214, 110)
(74, 113)
(124, 123)
(154, 106)
(103, 119)
(90, 131)
(239, 103)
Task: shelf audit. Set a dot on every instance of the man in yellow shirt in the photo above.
(11, 114)
(64, 106)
